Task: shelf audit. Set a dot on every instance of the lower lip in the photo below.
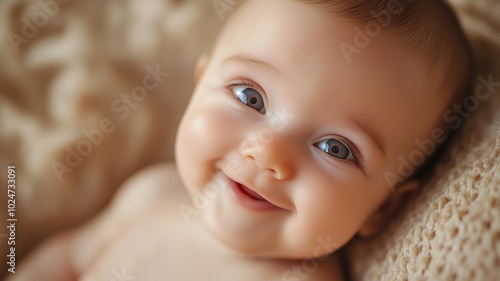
(249, 202)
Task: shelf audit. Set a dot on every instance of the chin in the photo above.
(235, 240)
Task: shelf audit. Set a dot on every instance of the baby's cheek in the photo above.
(206, 135)
(333, 207)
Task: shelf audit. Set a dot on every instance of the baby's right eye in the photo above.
(336, 148)
(250, 97)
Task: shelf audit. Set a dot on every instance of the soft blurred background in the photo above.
(75, 123)
(64, 67)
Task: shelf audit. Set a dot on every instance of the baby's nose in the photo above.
(273, 154)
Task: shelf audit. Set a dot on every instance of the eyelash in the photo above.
(249, 83)
(244, 82)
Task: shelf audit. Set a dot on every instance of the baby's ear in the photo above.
(394, 203)
(201, 64)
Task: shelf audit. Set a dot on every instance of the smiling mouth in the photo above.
(250, 192)
(249, 198)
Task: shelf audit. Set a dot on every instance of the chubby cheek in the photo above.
(204, 137)
(332, 208)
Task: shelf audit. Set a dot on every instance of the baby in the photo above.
(300, 134)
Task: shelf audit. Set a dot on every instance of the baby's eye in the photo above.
(336, 148)
(250, 98)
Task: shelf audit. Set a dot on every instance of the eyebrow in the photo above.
(251, 61)
(370, 133)
(240, 58)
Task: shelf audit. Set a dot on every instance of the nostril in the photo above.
(273, 172)
(249, 157)
(278, 174)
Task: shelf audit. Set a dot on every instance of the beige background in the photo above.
(65, 76)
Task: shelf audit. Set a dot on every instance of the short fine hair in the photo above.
(428, 29)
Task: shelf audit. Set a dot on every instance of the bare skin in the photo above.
(142, 235)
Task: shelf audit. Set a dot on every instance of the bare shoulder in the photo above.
(157, 184)
(135, 200)
(71, 253)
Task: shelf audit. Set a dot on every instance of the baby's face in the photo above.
(285, 143)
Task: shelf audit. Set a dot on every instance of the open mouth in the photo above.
(249, 198)
(250, 192)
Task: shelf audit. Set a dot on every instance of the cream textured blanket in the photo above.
(451, 230)
(91, 91)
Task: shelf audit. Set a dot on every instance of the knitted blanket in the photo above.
(451, 230)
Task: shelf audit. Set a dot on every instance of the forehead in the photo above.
(301, 38)
(304, 44)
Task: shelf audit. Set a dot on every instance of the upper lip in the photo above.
(251, 195)
(252, 189)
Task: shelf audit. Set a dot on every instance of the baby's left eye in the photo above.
(250, 97)
(336, 148)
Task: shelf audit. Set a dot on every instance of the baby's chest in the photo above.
(161, 249)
